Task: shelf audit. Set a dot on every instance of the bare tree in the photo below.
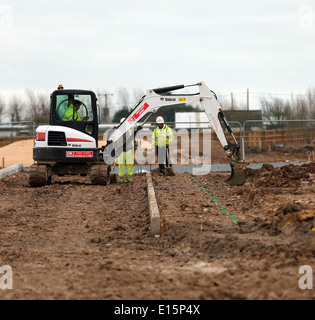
(123, 97)
(32, 106)
(43, 104)
(301, 108)
(138, 93)
(274, 110)
(289, 112)
(37, 104)
(311, 102)
(225, 103)
(2, 107)
(15, 109)
(229, 102)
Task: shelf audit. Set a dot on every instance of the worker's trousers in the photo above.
(163, 157)
(126, 160)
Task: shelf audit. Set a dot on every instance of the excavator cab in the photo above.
(69, 144)
(76, 109)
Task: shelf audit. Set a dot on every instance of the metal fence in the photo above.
(289, 138)
(16, 131)
(260, 140)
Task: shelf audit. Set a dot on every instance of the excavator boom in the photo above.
(158, 98)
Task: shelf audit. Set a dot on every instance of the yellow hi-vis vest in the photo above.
(71, 114)
(161, 137)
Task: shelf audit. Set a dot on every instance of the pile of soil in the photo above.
(286, 176)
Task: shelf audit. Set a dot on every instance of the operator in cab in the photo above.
(72, 113)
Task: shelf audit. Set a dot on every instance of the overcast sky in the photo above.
(264, 45)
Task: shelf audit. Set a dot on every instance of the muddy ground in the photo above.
(73, 240)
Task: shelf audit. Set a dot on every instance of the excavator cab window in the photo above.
(74, 107)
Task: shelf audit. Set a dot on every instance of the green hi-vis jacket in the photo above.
(161, 137)
(71, 114)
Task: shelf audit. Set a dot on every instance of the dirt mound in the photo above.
(285, 177)
(294, 217)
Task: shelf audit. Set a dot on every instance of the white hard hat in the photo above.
(159, 120)
(122, 120)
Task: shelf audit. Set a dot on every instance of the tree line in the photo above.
(299, 107)
(294, 107)
(34, 106)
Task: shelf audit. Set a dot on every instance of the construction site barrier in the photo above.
(155, 216)
(11, 171)
(277, 134)
(11, 132)
(256, 135)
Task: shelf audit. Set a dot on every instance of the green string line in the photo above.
(214, 200)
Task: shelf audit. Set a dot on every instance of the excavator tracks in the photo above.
(39, 175)
(100, 174)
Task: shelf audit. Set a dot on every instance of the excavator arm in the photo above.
(161, 97)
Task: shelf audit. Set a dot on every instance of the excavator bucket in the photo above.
(238, 176)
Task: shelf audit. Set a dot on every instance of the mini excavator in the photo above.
(69, 144)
